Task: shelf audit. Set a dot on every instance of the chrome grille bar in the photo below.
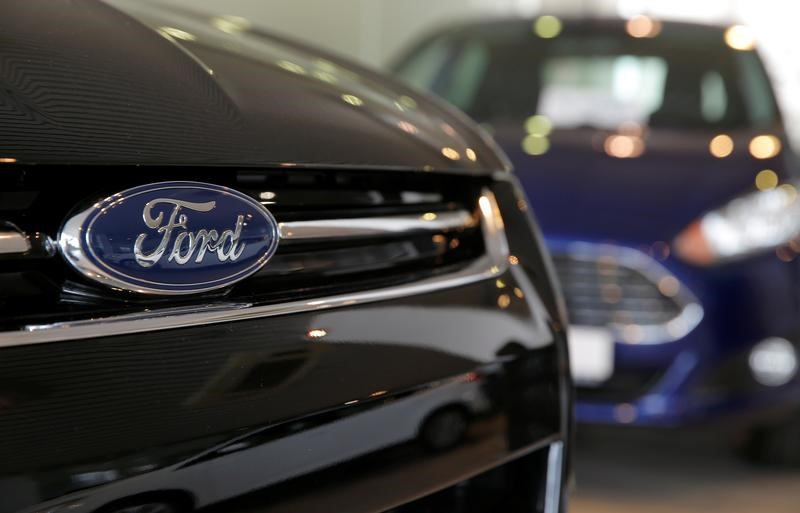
(16, 243)
(330, 229)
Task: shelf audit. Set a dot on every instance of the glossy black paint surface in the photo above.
(84, 83)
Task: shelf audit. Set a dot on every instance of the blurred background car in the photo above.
(656, 159)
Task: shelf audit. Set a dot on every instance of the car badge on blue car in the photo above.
(170, 238)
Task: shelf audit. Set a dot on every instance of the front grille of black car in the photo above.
(603, 290)
(39, 289)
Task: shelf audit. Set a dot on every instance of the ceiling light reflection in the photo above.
(740, 37)
(643, 26)
(534, 144)
(721, 146)
(547, 26)
(765, 146)
(624, 146)
(766, 179)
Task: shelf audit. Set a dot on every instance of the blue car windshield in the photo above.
(597, 78)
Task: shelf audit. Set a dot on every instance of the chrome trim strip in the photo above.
(326, 229)
(16, 243)
(494, 262)
(679, 326)
(555, 468)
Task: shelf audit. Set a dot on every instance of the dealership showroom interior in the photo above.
(399, 256)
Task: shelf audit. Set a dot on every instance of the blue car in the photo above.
(656, 158)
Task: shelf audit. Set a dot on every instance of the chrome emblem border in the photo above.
(170, 238)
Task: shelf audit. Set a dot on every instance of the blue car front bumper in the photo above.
(693, 372)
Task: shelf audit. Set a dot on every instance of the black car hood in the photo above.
(81, 82)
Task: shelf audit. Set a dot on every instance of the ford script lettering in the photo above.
(227, 245)
(170, 238)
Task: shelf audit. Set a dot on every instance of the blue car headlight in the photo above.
(749, 224)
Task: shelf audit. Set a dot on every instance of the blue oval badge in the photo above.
(170, 238)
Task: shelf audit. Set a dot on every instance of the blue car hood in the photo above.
(579, 192)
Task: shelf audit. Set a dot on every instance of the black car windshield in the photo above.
(596, 77)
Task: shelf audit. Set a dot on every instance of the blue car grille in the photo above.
(604, 291)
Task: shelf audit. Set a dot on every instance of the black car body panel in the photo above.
(91, 85)
(405, 369)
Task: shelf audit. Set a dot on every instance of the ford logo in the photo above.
(170, 238)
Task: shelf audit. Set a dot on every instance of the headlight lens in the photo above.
(751, 223)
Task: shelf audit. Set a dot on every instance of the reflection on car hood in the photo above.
(83, 82)
(580, 192)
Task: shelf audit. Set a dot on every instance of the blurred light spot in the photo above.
(607, 265)
(785, 254)
(721, 146)
(267, 195)
(291, 67)
(325, 65)
(407, 127)
(325, 76)
(352, 100)
(789, 191)
(451, 153)
(766, 180)
(669, 286)
(449, 130)
(471, 155)
(643, 26)
(454, 243)
(379, 393)
(625, 413)
(7, 160)
(429, 216)
(765, 146)
(522, 205)
(348, 403)
(740, 37)
(518, 292)
(773, 362)
(500, 284)
(547, 26)
(513, 260)
(494, 269)
(407, 102)
(632, 334)
(535, 144)
(539, 125)
(503, 300)
(624, 146)
(231, 24)
(439, 239)
(177, 33)
(316, 333)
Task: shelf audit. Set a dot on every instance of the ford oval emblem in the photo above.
(170, 238)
